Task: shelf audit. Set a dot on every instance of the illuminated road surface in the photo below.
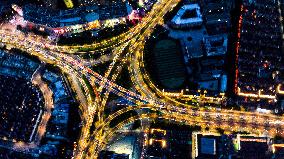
(90, 143)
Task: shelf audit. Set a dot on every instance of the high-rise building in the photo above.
(259, 58)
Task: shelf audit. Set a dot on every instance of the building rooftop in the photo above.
(215, 45)
(188, 14)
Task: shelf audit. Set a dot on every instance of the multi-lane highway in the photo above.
(128, 49)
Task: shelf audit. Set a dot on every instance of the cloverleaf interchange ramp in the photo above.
(129, 47)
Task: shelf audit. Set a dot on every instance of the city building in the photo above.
(217, 18)
(112, 155)
(179, 142)
(188, 16)
(278, 151)
(75, 20)
(157, 143)
(252, 147)
(204, 44)
(259, 58)
(205, 145)
(215, 45)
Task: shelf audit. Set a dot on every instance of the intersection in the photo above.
(128, 51)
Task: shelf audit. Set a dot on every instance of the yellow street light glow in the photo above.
(279, 89)
(258, 95)
(151, 142)
(164, 143)
(69, 3)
